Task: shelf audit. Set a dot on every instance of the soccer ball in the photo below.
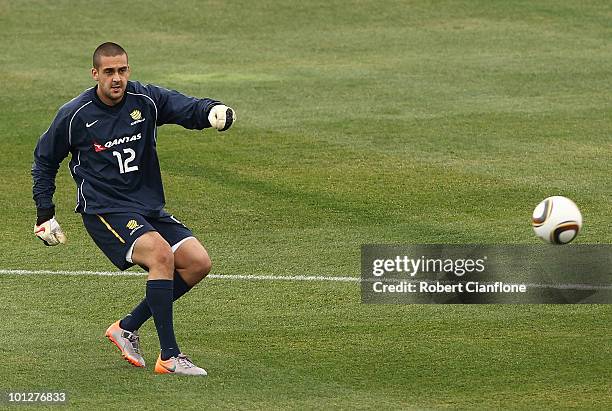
(556, 220)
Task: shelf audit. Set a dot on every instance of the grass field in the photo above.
(360, 122)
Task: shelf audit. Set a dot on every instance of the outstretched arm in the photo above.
(190, 112)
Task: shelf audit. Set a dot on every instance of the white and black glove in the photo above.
(221, 117)
(48, 229)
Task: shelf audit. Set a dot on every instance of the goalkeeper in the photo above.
(110, 130)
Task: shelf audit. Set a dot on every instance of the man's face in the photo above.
(112, 76)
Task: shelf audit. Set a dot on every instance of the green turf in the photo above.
(359, 122)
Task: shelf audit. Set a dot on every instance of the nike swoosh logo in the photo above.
(91, 124)
(169, 369)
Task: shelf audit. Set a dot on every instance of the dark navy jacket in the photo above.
(114, 158)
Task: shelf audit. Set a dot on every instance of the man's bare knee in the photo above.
(152, 251)
(203, 265)
(192, 262)
(162, 258)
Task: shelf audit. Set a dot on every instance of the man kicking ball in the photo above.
(111, 132)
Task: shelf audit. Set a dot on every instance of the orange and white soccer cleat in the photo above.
(128, 342)
(179, 365)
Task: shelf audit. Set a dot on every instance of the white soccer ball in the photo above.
(556, 220)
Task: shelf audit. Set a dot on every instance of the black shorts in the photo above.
(116, 233)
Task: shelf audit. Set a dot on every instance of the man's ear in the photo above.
(94, 73)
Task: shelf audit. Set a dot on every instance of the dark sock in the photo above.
(159, 298)
(141, 313)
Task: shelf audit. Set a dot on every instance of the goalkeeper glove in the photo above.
(221, 117)
(48, 229)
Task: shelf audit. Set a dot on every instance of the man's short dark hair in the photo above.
(107, 49)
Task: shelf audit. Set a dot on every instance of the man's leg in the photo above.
(153, 251)
(192, 262)
(191, 265)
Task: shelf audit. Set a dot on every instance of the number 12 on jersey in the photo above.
(124, 165)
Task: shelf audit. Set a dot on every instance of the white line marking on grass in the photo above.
(77, 273)
(284, 278)
(217, 276)
(240, 277)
